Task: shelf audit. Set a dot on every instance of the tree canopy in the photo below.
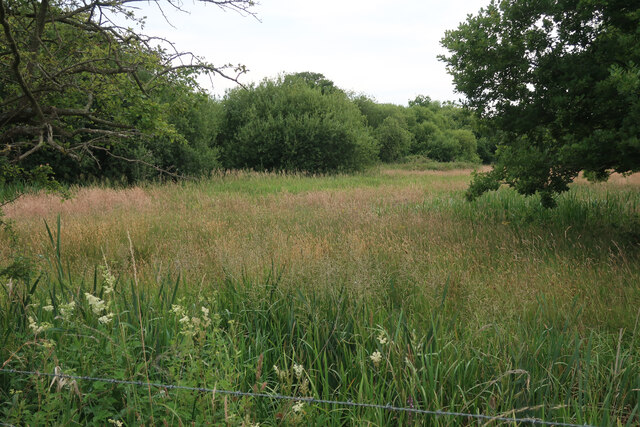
(77, 80)
(558, 82)
(292, 123)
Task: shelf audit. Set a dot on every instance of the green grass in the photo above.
(423, 163)
(497, 307)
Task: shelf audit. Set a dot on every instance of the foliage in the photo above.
(394, 139)
(75, 83)
(285, 124)
(313, 80)
(375, 113)
(417, 162)
(560, 81)
(444, 132)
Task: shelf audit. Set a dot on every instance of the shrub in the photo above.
(284, 124)
(393, 138)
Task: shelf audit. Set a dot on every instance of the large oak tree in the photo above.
(559, 82)
(79, 77)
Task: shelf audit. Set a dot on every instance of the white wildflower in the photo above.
(66, 310)
(178, 310)
(48, 308)
(298, 406)
(97, 305)
(206, 321)
(106, 319)
(376, 358)
(117, 423)
(282, 374)
(298, 370)
(195, 322)
(109, 279)
(382, 339)
(38, 328)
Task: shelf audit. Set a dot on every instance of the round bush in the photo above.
(285, 124)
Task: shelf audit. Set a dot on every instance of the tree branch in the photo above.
(15, 66)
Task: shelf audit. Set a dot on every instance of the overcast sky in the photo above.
(385, 49)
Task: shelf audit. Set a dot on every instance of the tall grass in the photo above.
(497, 307)
(431, 356)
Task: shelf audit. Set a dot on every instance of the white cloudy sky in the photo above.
(383, 48)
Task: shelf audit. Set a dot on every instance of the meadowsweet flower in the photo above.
(109, 279)
(298, 370)
(48, 308)
(282, 374)
(66, 310)
(38, 328)
(193, 325)
(382, 339)
(116, 423)
(106, 319)
(376, 358)
(190, 326)
(178, 310)
(206, 321)
(97, 305)
(298, 406)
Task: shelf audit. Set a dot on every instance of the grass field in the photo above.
(383, 287)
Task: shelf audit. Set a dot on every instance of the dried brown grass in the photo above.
(616, 179)
(84, 201)
(453, 172)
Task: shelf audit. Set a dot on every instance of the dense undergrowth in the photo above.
(253, 336)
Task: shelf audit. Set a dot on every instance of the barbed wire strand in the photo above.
(309, 400)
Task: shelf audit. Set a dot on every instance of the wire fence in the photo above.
(309, 400)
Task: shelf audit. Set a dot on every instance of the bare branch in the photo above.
(142, 162)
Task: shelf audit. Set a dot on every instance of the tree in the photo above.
(393, 138)
(559, 82)
(75, 80)
(313, 80)
(286, 124)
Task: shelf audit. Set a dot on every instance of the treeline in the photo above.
(296, 122)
